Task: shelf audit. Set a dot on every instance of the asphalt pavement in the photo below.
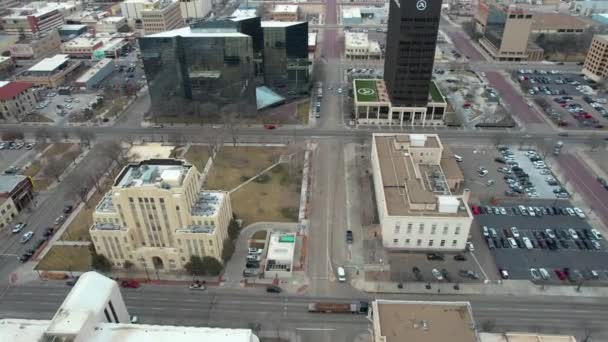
(219, 307)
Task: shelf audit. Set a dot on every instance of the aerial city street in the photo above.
(227, 170)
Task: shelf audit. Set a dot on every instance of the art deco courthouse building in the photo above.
(410, 50)
(156, 217)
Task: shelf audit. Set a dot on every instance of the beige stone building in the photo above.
(161, 16)
(36, 46)
(156, 216)
(8, 211)
(595, 66)
(505, 30)
(418, 184)
(357, 45)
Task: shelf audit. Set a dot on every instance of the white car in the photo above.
(19, 227)
(512, 242)
(515, 232)
(596, 234)
(579, 213)
(527, 242)
(503, 211)
(534, 273)
(573, 233)
(570, 212)
(252, 257)
(253, 250)
(27, 237)
(486, 233)
(544, 273)
(550, 233)
(437, 274)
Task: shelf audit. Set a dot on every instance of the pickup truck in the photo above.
(354, 308)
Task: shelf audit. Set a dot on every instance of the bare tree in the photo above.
(113, 151)
(215, 140)
(54, 167)
(12, 135)
(80, 185)
(229, 118)
(262, 11)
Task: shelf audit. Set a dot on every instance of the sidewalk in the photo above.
(507, 287)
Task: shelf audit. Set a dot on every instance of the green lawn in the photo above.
(435, 93)
(362, 96)
(303, 111)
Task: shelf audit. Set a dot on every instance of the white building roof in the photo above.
(87, 297)
(112, 20)
(37, 9)
(273, 23)
(23, 330)
(50, 64)
(187, 32)
(286, 8)
(312, 38)
(94, 70)
(3, 83)
(244, 12)
(82, 42)
(356, 39)
(281, 251)
(351, 12)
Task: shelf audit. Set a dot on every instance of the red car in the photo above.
(269, 126)
(475, 209)
(466, 105)
(133, 284)
(560, 274)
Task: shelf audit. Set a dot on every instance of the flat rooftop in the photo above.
(425, 321)
(94, 70)
(407, 182)
(357, 39)
(555, 21)
(281, 247)
(8, 182)
(208, 203)
(50, 63)
(370, 91)
(25, 330)
(188, 32)
(286, 8)
(274, 23)
(164, 173)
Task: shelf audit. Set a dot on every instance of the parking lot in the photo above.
(408, 267)
(56, 107)
(556, 249)
(568, 99)
(509, 173)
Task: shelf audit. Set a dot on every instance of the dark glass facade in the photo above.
(200, 74)
(286, 57)
(410, 50)
(495, 26)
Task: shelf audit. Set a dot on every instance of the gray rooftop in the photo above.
(207, 203)
(8, 182)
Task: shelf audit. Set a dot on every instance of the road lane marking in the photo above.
(315, 329)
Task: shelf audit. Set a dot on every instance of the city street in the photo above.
(176, 305)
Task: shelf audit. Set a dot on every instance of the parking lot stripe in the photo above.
(479, 265)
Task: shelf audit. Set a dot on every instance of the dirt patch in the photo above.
(197, 155)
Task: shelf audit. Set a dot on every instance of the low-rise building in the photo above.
(285, 13)
(81, 47)
(18, 188)
(37, 17)
(67, 32)
(374, 107)
(36, 46)
(50, 72)
(195, 9)
(596, 65)
(8, 211)
(558, 23)
(279, 258)
(16, 99)
(420, 200)
(358, 46)
(312, 41)
(351, 16)
(164, 15)
(398, 320)
(588, 7)
(97, 73)
(111, 24)
(156, 217)
(433, 321)
(94, 311)
(244, 12)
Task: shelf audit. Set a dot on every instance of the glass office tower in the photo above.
(286, 57)
(201, 73)
(410, 50)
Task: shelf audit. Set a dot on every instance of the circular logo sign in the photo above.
(421, 5)
(365, 91)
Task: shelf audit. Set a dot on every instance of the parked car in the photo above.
(19, 227)
(349, 236)
(535, 274)
(435, 256)
(197, 285)
(504, 274)
(273, 289)
(130, 283)
(27, 237)
(544, 273)
(437, 274)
